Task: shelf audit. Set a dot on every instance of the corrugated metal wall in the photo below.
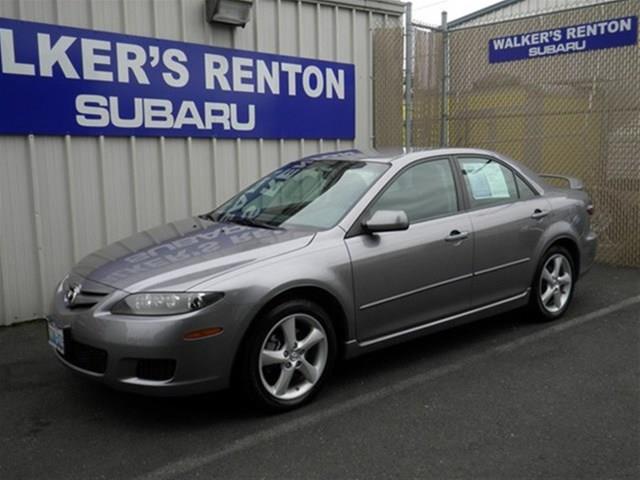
(63, 197)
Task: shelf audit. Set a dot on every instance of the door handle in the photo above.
(456, 236)
(538, 214)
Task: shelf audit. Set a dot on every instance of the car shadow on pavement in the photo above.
(352, 377)
(349, 379)
(437, 348)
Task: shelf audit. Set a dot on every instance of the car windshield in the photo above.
(306, 193)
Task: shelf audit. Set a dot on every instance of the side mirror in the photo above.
(386, 221)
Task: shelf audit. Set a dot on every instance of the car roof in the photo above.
(354, 155)
(396, 154)
(407, 155)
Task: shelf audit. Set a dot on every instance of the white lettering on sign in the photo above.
(245, 75)
(292, 70)
(131, 59)
(600, 28)
(8, 56)
(335, 85)
(311, 76)
(527, 39)
(242, 75)
(56, 54)
(557, 35)
(98, 111)
(123, 62)
(268, 76)
(123, 84)
(93, 56)
(174, 60)
(559, 48)
(215, 71)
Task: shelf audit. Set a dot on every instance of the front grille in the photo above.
(86, 300)
(155, 369)
(85, 357)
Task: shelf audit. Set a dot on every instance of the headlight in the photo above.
(164, 303)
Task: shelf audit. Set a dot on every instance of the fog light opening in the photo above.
(203, 333)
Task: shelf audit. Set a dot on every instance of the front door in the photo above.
(411, 277)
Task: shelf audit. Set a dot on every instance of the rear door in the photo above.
(508, 219)
(406, 278)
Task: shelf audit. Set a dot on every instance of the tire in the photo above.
(553, 284)
(287, 356)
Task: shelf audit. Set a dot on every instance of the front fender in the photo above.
(324, 264)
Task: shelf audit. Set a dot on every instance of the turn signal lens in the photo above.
(203, 333)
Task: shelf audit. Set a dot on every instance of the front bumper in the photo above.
(112, 349)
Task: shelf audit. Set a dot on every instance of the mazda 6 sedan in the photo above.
(327, 257)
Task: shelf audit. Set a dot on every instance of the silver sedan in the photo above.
(327, 257)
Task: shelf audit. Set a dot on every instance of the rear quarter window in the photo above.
(488, 182)
(525, 192)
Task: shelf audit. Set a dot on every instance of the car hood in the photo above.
(179, 255)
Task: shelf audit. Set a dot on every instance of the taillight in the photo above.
(590, 209)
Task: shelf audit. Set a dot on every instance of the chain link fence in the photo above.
(576, 114)
(388, 86)
(428, 75)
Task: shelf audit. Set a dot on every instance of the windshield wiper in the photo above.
(208, 216)
(249, 222)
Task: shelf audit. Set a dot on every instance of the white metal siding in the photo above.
(63, 197)
(527, 8)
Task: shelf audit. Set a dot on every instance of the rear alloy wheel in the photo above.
(553, 286)
(288, 355)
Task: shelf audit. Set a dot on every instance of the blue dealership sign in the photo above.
(60, 80)
(598, 35)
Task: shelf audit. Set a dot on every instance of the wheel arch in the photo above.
(572, 247)
(323, 297)
(568, 243)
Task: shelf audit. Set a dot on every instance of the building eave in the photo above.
(388, 7)
(482, 12)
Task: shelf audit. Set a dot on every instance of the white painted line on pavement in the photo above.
(186, 465)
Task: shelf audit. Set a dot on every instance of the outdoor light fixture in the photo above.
(233, 12)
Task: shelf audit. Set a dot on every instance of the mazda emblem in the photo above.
(72, 293)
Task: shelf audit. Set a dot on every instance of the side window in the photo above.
(424, 191)
(488, 182)
(524, 190)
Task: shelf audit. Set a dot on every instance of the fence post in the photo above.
(408, 72)
(444, 107)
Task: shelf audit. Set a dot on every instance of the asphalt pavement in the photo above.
(503, 398)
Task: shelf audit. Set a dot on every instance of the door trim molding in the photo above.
(417, 290)
(417, 328)
(500, 267)
(442, 283)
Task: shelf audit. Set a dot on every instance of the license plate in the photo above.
(56, 337)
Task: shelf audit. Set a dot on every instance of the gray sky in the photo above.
(428, 11)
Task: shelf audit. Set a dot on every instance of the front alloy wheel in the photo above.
(287, 355)
(294, 355)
